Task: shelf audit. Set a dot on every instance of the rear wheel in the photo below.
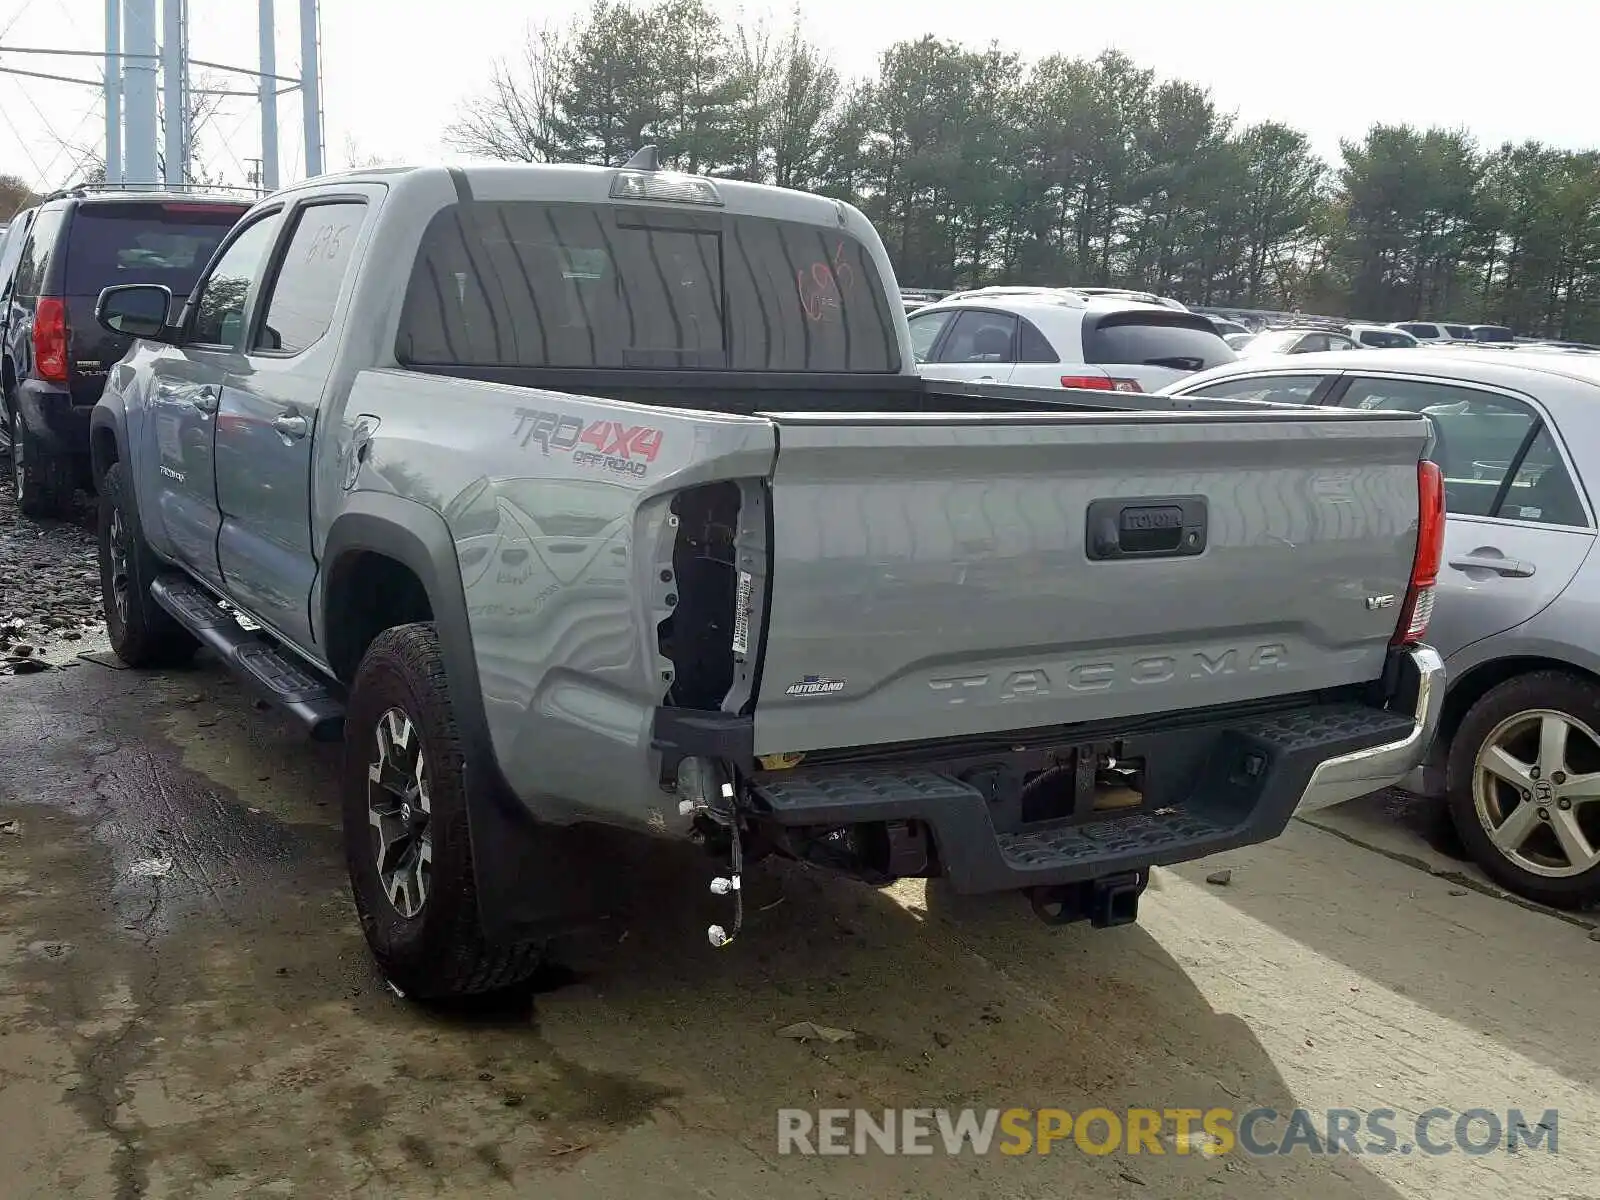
(405, 827)
(141, 632)
(43, 482)
(1524, 787)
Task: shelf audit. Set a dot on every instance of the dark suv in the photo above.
(56, 355)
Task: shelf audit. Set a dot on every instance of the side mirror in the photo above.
(136, 310)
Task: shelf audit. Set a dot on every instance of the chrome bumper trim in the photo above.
(1356, 774)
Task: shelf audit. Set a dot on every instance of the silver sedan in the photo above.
(1517, 604)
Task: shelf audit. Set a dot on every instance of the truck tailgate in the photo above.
(961, 575)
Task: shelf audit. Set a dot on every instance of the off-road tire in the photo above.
(1555, 690)
(147, 635)
(441, 951)
(44, 482)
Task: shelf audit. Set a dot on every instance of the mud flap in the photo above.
(535, 880)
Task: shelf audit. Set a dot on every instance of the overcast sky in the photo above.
(395, 71)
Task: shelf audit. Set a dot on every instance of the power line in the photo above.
(12, 24)
(43, 120)
(227, 144)
(22, 142)
(66, 146)
(66, 8)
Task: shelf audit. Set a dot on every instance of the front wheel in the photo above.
(405, 827)
(1523, 787)
(141, 632)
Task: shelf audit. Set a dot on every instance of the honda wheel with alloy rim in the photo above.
(1523, 786)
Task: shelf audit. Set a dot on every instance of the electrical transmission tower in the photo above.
(143, 61)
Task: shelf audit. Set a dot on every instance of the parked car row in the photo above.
(1405, 335)
(55, 259)
(1237, 331)
(1517, 607)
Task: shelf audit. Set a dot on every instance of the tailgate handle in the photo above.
(1146, 527)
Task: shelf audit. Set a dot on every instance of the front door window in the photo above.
(219, 312)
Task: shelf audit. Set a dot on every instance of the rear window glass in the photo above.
(1155, 339)
(143, 243)
(526, 284)
(1385, 339)
(1492, 333)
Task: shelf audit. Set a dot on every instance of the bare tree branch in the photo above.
(200, 109)
(515, 120)
(355, 158)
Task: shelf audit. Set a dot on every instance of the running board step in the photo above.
(272, 673)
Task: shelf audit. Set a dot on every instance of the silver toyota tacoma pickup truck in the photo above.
(573, 497)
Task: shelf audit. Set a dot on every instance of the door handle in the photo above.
(1511, 568)
(291, 425)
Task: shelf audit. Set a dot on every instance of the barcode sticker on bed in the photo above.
(741, 614)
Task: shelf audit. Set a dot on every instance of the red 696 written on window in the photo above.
(823, 285)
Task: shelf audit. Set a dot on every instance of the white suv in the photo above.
(1435, 331)
(1382, 337)
(1059, 337)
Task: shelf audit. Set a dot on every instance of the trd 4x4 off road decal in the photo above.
(603, 445)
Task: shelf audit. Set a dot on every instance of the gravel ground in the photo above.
(49, 584)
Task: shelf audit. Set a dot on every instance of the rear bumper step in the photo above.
(275, 676)
(1256, 774)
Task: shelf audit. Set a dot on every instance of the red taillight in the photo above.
(50, 340)
(1100, 383)
(1418, 608)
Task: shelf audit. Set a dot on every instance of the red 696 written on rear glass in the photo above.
(822, 285)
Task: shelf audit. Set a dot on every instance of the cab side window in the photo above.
(299, 309)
